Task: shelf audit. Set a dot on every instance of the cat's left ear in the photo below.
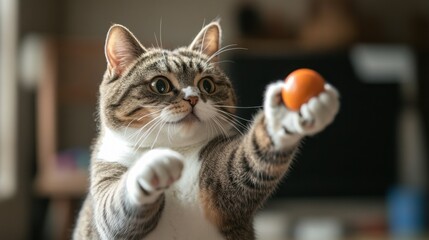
(121, 49)
(208, 40)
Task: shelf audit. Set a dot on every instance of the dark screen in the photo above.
(356, 155)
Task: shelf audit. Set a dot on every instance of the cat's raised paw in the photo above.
(286, 127)
(153, 173)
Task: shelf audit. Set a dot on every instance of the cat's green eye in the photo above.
(160, 85)
(207, 85)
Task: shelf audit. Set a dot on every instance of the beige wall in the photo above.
(181, 21)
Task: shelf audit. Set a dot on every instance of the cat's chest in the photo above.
(183, 217)
(186, 189)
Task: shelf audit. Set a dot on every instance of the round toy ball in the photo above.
(300, 86)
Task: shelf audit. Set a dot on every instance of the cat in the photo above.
(169, 161)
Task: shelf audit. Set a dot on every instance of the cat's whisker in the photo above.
(233, 122)
(169, 134)
(156, 40)
(141, 129)
(223, 128)
(225, 118)
(157, 135)
(150, 126)
(136, 133)
(149, 114)
(236, 123)
(147, 106)
(223, 61)
(226, 50)
(218, 52)
(213, 131)
(139, 134)
(149, 130)
(160, 33)
(159, 126)
(162, 47)
(224, 132)
(209, 128)
(225, 47)
(233, 116)
(223, 50)
(140, 143)
(238, 107)
(138, 119)
(216, 127)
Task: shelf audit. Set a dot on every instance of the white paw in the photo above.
(286, 127)
(152, 174)
(319, 112)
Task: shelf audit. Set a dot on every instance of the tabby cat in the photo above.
(170, 162)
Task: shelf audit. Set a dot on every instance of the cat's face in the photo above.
(156, 97)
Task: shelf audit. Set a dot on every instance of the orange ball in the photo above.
(300, 86)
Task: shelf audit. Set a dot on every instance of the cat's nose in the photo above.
(193, 100)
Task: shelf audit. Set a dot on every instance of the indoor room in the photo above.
(363, 175)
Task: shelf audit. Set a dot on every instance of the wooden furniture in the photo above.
(66, 98)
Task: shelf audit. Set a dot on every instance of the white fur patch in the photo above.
(191, 91)
(164, 165)
(286, 127)
(183, 216)
(114, 148)
(277, 117)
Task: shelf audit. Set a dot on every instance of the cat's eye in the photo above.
(160, 85)
(207, 85)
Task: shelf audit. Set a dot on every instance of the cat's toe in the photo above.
(273, 95)
(153, 173)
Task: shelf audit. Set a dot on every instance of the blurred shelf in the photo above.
(62, 183)
(67, 90)
(66, 98)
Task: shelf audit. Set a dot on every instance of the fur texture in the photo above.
(170, 162)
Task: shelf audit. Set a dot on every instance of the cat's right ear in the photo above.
(121, 49)
(208, 40)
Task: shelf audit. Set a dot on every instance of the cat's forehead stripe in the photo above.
(142, 59)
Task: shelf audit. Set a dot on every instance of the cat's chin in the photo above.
(188, 126)
(189, 119)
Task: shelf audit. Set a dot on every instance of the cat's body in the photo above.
(182, 216)
(169, 162)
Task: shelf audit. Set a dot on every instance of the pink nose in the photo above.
(193, 100)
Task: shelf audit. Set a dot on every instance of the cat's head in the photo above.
(159, 97)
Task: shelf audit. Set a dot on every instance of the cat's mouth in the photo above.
(190, 118)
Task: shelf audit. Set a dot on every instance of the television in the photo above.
(353, 157)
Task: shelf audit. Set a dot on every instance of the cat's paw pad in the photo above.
(154, 172)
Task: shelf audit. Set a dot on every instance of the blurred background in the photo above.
(365, 177)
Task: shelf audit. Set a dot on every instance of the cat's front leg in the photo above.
(287, 127)
(152, 174)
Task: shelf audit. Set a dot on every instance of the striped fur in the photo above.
(247, 172)
(170, 162)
